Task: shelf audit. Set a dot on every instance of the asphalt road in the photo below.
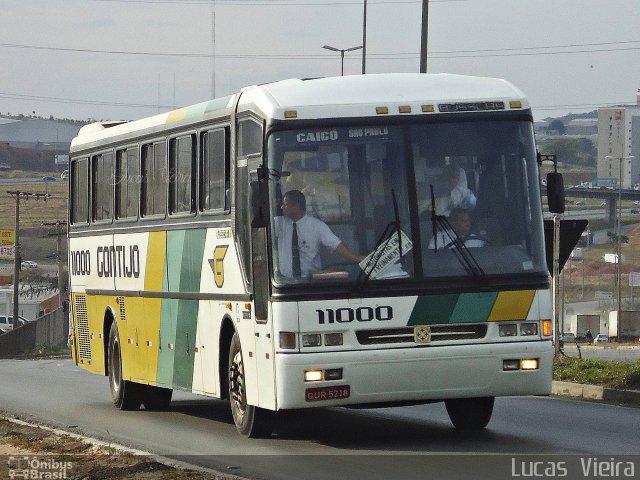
(326, 443)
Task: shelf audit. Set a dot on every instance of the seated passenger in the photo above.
(461, 195)
(460, 222)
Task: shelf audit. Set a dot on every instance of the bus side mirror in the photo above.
(258, 205)
(555, 192)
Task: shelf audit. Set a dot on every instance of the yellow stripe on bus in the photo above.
(512, 305)
(150, 328)
(156, 254)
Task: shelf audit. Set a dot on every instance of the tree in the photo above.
(557, 126)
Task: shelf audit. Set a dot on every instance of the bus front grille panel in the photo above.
(82, 322)
(439, 333)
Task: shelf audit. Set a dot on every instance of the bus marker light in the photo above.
(529, 364)
(427, 108)
(313, 375)
(333, 339)
(287, 340)
(382, 110)
(404, 109)
(515, 104)
(290, 114)
(508, 330)
(311, 340)
(333, 374)
(509, 365)
(546, 328)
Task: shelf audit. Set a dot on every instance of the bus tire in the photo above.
(126, 395)
(156, 398)
(250, 421)
(470, 413)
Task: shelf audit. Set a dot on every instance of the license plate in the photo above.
(320, 394)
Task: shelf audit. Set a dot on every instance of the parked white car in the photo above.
(6, 322)
(601, 338)
(29, 264)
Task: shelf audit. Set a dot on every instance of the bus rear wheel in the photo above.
(470, 413)
(126, 395)
(250, 421)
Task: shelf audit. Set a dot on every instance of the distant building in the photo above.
(619, 138)
(584, 127)
(37, 133)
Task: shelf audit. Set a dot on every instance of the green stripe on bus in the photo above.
(433, 309)
(192, 258)
(473, 307)
(453, 308)
(169, 320)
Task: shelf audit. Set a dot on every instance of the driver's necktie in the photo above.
(295, 252)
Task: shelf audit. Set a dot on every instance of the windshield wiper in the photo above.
(392, 227)
(462, 252)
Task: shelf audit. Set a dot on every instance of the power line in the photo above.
(270, 3)
(512, 52)
(40, 98)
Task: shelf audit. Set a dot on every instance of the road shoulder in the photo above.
(595, 392)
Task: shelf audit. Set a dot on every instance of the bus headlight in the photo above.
(508, 330)
(332, 339)
(311, 340)
(528, 329)
(529, 364)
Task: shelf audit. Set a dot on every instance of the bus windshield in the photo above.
(404, 202)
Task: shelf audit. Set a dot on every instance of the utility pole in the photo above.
(17, 250)
(59, 233)
(364, 39)
(425, 31)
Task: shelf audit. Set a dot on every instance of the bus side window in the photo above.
(249, 138)
(214, 188)
(181, 174)
(127, 184)
(80, 196)
(102, 187)
(154, 179)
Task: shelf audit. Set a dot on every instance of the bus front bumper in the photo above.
(414, 374)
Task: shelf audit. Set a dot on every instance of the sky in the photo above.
(127, 59)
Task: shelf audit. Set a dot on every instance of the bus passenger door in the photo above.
(263, 325)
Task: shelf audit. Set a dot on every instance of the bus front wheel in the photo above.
(470, 413)
(126, 395)
(251, 421)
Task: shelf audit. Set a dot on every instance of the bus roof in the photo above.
(348, 96)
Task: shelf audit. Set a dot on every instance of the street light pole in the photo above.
(364, 38)
(619, 243)
(341, 50)
(424, 35)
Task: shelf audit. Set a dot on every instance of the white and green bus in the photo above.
(180, 272)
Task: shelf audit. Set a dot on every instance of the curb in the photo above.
(594, 392)
(178, 465)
